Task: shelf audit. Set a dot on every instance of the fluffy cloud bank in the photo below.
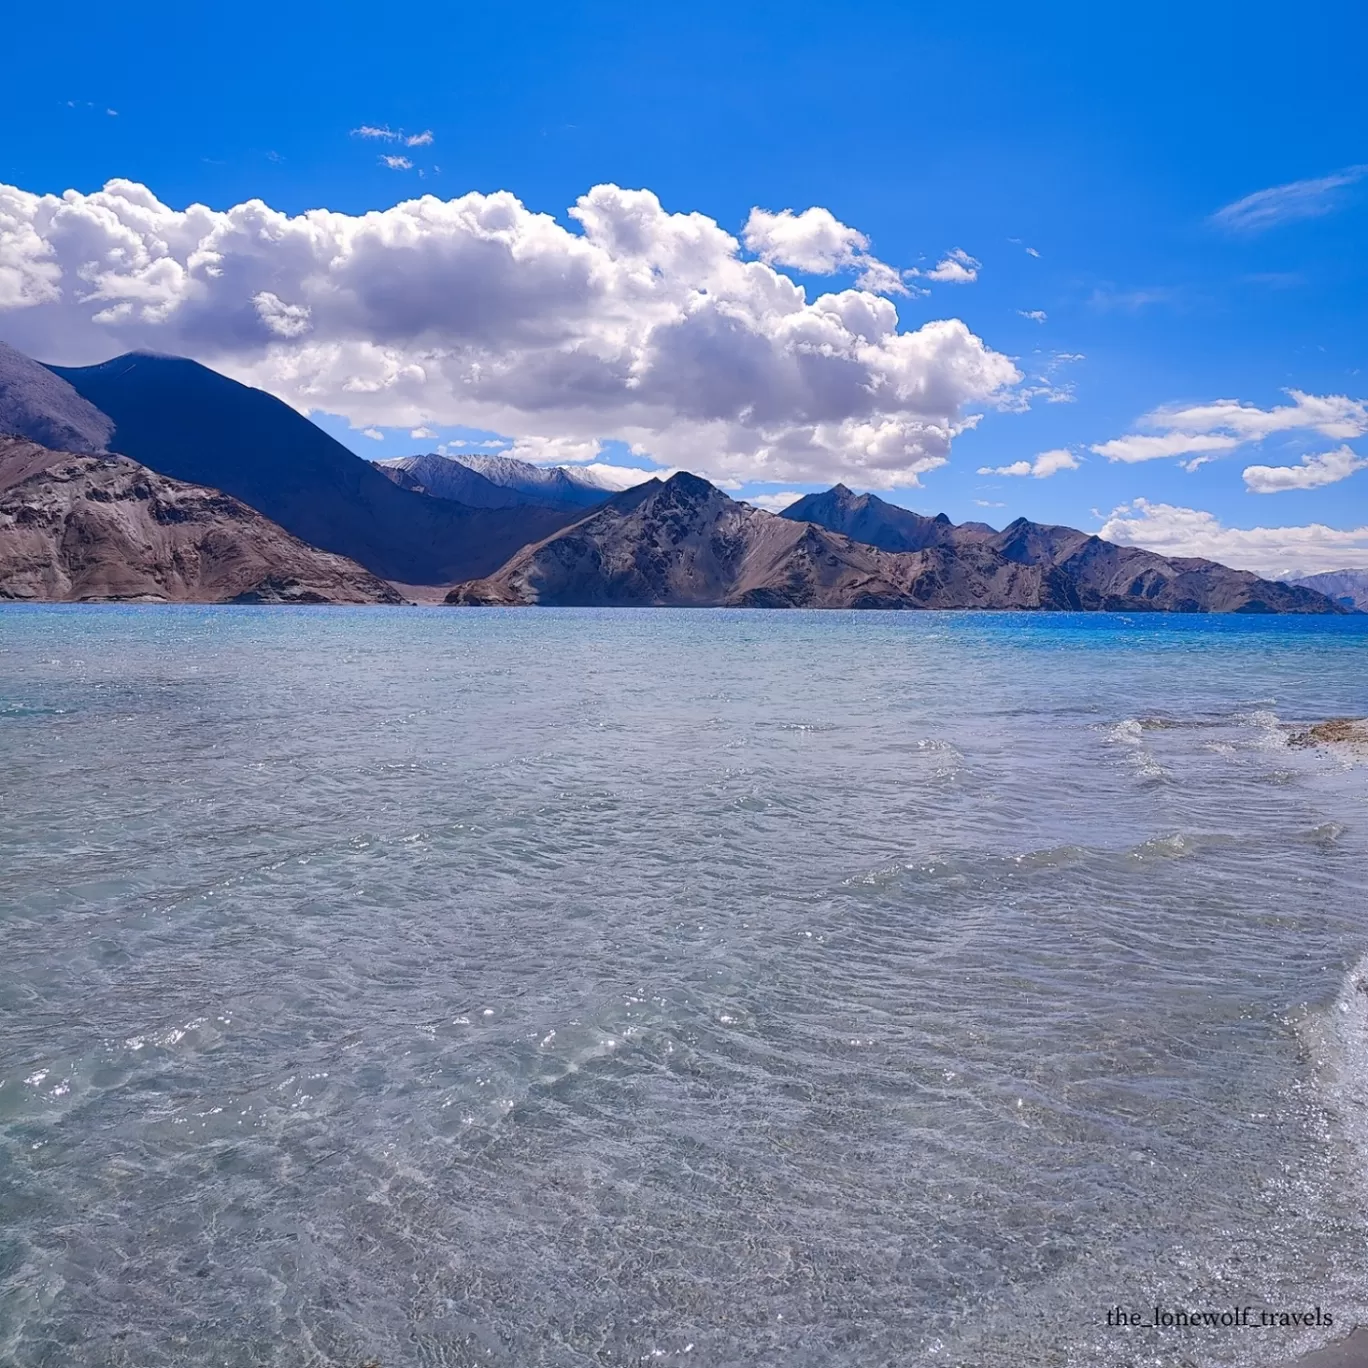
(646, 326)
(1208, 430)
(1272, 551)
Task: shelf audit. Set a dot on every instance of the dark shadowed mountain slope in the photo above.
(686, 544)
(41, 406)
(1344, 586)
(79, 527)
(868, 518)
(189, 422)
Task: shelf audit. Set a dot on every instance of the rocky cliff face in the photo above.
(88, 528)
(686, 544)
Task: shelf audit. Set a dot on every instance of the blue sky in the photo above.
(1106, 141)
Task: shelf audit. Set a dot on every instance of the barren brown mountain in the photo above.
(76, 527)
(686, 544)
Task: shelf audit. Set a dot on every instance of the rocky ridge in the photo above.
(684, 543)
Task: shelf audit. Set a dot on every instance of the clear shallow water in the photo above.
(591, 988)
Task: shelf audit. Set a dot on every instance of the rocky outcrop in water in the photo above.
(684, 543)
(1346, 734)
(86, 528)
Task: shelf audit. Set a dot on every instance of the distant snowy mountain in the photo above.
(1340, 585)
(498, 481)
(444, 478)
(552, 484)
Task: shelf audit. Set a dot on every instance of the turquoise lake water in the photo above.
(557, 988)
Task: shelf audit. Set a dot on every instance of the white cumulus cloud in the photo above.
(774, 503)
(1046, 464)
(1314, 471)
(1272, 551)
(816, 242)
(621, 477)
(955, 268)
(644, 326)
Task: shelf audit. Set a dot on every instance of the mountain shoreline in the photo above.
(225, 492)
(684, 543)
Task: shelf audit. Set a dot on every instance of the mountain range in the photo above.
(155, 477)
(684, 543)
(186, 421)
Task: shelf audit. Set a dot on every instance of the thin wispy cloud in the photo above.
(1207, 430)
(384, 133)
(1281, 204)
(1108, 298)
(1035, 315)
(397, 163)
